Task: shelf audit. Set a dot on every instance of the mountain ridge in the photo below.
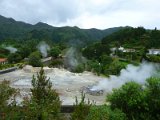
(12, 29)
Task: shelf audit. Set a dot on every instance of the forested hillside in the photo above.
(11, 29)
(128, 45)
(134, 37)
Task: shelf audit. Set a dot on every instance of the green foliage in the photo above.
(124, 36)
(56, 63)
(11, 29)
(128, 98)
(95, 67)
(114, 67)
(79, 68)
(5, 66)
(153, 97)
(153, 58)
(54, 52)
(134, 37)
(154, 39)
(45, 102)
(106, 66)
(6, 92)
(4, 52)
(96, 50)
(137, 102)
(81, 109)
(105, 59)
(105, 113)
(24, 51)
(14, 58)
(35, 59)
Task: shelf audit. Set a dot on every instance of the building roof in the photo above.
(3, 59)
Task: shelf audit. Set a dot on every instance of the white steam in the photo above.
(132, 73)
(43, 47)
(11, 49)
(73, 58)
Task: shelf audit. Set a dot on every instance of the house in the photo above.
(3, 60)
(121, 48)
(126, 50)
(154, 51)
(129, 50)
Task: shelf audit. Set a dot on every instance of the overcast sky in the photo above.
(85, 13)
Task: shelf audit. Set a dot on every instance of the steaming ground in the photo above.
(10, 48)
(67, 84)
(138, 74)
(43, 47)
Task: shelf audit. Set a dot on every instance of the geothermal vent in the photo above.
(91, 91)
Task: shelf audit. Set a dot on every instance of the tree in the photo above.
(55, 51)
(81, 109)
(105, 59)
(45, 102)
(6, 92)
(104, 112)
(153, 97)
(24, 51)
(114, 67)
(130, 99)
(95, 66)
(35, 59)
(14, 58)
(96, 50)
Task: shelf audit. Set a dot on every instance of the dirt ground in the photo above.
(67, 84)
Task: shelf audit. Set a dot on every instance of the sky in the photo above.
(86, 14)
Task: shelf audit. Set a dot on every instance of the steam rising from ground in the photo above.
(73, 58)
(132, 73)
(69, 84)
(11, 49)
(43, 47)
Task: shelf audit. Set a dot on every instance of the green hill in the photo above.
(134, 37)
(11, 29)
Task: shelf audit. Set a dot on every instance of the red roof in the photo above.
(3, 59)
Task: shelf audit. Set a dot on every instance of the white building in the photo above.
(129, 50)
(121, 48)
(126, 49)
(154, 51)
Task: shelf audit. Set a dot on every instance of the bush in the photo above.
(114, 68)
(105, 113)
(56, 63)
(81, 109)
(7, 111)
(137, 102)
(14, 58)
(35, 59)
(153, 58)
(80, 68)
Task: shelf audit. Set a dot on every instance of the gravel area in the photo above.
(67, 84)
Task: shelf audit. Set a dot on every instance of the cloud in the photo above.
(84, 13)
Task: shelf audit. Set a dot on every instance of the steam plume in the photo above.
(43, 47)
(11, 49)
(72, 58)
(132, 73)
